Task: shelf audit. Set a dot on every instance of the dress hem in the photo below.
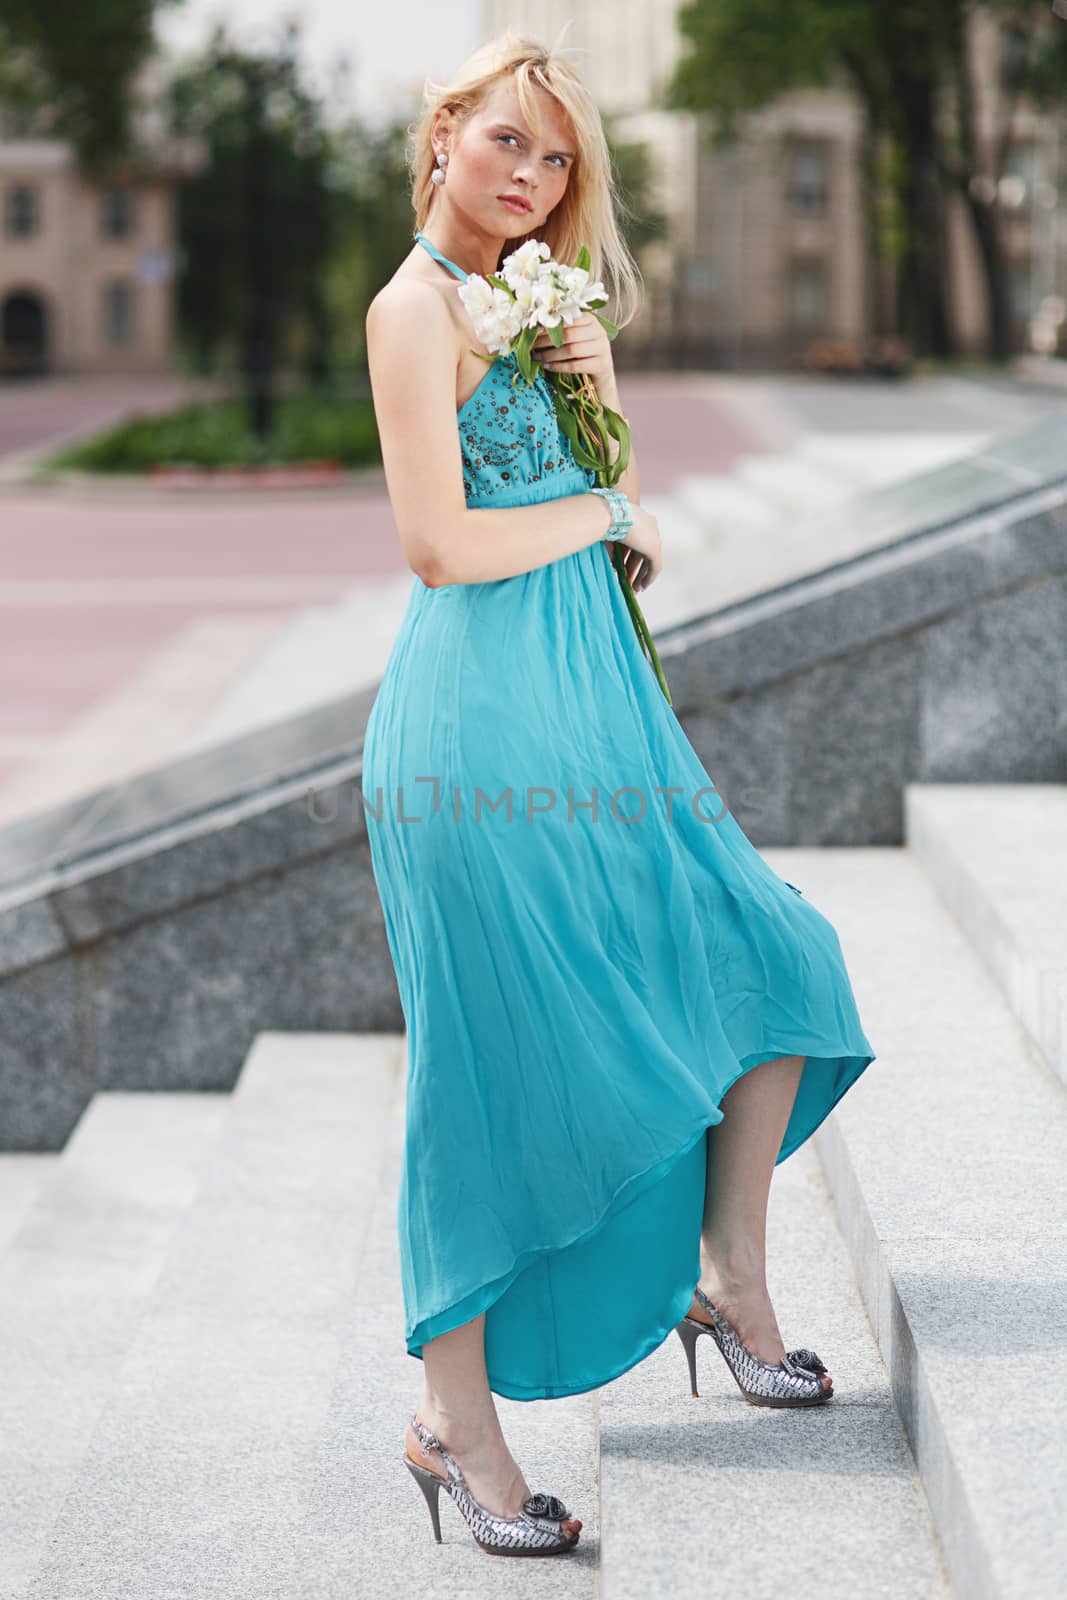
(460, 1310)
(471, 1306)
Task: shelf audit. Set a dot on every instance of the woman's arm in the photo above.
(411, 354)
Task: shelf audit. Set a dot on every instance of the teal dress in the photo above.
(586, 961)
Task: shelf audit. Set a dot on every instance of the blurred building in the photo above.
(767, 250)
(87, 270)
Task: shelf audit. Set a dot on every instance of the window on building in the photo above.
(1017, 176)
(120, 329)
(809, 296)
(808, 178)
(16, 122)
(118, 217)
(1020, 289)
(22, 212)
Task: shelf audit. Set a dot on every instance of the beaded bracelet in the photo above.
(622, 512)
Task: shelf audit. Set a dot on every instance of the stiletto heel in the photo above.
(793, 1381)
(536, 1531)
(689, 1333)
(430, 1484)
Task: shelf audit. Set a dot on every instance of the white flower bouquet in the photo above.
(531, 292)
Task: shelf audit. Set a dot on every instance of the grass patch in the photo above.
(315, 426)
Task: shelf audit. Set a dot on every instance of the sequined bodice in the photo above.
(512, 446)
(510, 437)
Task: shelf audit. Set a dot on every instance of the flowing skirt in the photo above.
(589, 951)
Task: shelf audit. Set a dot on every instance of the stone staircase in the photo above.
(206, 1383)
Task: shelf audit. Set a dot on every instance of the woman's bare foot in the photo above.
(749, 1309)
(491, 1471)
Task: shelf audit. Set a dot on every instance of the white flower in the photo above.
(524, 297)
(573, 278)
(522, 265)
(477, 295)
(546, 300)
(492, 311)
(537, 292)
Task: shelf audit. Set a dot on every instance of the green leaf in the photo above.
(569, 426)
(619, 429)
(526, 363)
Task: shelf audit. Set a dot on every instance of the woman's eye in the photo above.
(561, 159)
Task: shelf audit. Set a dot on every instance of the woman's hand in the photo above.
(585, 348)
(642, 549)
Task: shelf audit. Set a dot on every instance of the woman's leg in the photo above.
(457, 1405)
(741, 1156)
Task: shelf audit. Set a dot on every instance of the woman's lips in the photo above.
(515, 205)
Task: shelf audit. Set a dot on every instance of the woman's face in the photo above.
(495, 153)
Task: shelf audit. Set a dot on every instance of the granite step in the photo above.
(23, 1174)
(948, 1168)
(74, 1282)
(196, 1477)
(997, 855)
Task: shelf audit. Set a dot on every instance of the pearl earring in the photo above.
(438, 174)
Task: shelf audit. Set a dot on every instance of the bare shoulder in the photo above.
(407, 312)
(405, 293)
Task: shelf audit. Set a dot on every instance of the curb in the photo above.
(165, 483)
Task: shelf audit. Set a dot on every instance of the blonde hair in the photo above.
(587, 213)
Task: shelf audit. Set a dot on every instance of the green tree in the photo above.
(640, 221)
(1032, 66)
(255, 224)
(80, 61)
(909, 67)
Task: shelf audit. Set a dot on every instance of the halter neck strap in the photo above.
(451, 265)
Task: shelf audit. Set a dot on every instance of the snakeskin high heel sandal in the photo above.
(793, 1381)
(536, 1531)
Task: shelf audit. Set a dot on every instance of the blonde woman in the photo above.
(619, 1018)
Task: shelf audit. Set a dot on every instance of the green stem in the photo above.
(638, 619)
(589, 417)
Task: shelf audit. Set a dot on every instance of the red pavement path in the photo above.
(45, 536)
(59, 654)
(680, 425)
